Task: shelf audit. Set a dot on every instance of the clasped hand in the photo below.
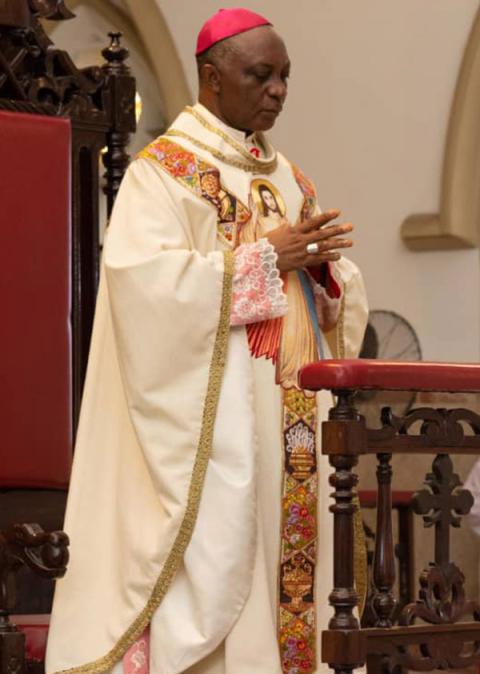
(290, 242)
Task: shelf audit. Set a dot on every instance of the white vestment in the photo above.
(175, 506)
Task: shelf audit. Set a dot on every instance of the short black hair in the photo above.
(217, 53)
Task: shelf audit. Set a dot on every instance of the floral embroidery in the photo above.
(178, 162)
(297, 645)
(257, 286)
(137, 659)
(297, 616)
(204, 180)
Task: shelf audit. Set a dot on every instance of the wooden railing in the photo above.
(442, 628)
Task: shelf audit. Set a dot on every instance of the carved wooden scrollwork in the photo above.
(436, 650)
(54, 10)
(31, 70)
(442, 598)
(442, 593)
(46, 553)
(24, 13)
(437, 428)
(442, 504)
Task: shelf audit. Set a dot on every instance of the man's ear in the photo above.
(211, 77)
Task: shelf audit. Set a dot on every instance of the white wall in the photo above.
(370, 96)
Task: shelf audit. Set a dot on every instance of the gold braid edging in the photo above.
(341, 326)
(360, 557)
(249, 167)
(262, 164)
(184, 535)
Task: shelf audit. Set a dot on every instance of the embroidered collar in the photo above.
(197, 125)
(236, 134)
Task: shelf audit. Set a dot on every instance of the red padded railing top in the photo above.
(390, 376)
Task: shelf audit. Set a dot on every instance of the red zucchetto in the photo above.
(227, 23)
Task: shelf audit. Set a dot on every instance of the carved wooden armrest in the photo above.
(451, 638)
(364, 374)
(46, 553)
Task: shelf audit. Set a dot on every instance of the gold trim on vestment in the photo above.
(262, 163)
(360, 561)
(341, 326)
(184, 535)
(250, 166)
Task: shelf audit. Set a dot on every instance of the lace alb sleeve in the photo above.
(257, 287)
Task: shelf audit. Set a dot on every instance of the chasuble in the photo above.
(198, 510)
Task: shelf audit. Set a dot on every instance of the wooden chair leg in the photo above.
(47, 555)
(405, 554)
(12, 648)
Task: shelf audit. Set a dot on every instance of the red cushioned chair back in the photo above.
(35, 280)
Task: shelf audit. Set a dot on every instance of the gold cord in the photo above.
(219, 132)
(250, 167)
(254, 165)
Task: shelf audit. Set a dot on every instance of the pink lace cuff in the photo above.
(257, 293)
(327, 290)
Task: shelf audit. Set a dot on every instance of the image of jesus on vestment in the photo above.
(291, 341)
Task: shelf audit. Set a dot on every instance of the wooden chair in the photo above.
(441, 630)
(54, 121)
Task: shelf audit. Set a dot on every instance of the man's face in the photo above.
(252, 81)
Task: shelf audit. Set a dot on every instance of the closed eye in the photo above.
(262, 77)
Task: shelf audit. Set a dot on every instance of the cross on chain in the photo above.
(442, 505)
